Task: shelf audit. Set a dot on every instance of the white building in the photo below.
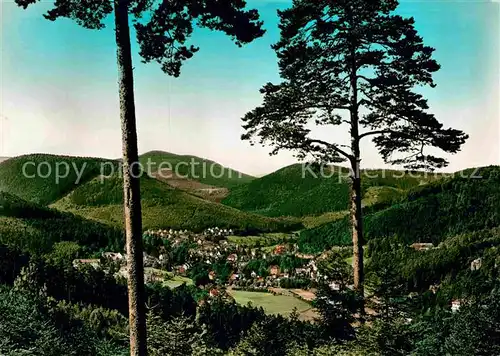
(455, 305)
(476, 264)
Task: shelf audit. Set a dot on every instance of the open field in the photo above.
(272, 304)
(265, 239)
(186, 169)
(177, 281)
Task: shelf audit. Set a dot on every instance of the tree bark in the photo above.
(356, 213)
(357, 228)
(131, 188)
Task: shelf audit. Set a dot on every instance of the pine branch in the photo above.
(331, 146)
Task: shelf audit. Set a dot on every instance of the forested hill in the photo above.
(162, 207)
(429, 213)
(301, 190)
(45, 178)
(195, 168)
(35, 229)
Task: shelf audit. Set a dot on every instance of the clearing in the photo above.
(274, 304)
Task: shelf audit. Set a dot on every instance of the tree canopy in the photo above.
(163, 27)
(357, 57)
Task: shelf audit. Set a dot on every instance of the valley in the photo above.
(265, 215)
(279, 244)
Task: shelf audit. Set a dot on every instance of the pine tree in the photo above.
(163, 27)
(357, 65)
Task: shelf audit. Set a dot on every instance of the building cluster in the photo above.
(207, 250)
(168, 234)
(218, 232)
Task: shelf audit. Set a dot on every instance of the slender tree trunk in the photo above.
(357, 228)
(356, 213)
(131, 191)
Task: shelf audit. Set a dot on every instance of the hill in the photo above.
(191, 172)
(35, 228)
(429, 213)
(296, 191)
(446, 265)
(45, 178)
(163, 207)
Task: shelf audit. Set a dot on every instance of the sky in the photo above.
(58, 88)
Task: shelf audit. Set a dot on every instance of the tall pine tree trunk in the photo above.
(357, 228)
(356, 213)
(131, 189)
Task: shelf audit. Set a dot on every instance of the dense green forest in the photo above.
(36, 229)
(44, 178)
(52, 309)
(163, 207)
(428, 213)
(306, 189)
(84, 311)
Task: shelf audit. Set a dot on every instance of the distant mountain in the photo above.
(45, 178)
(192, 169)
(430, 213)
(171, 196)
(299, 190)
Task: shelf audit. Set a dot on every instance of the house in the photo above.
(313, 266)
(334, 286)
(434, 288)
(211, 275)
(181, 270)
(455, 305)
(92, 262)
(300, 271)
(476, 264)
(214, 292)
(113, 256)
(232, 257)
(278, 250)
(422, 246)
(235, 277)
(274, 270)
(154, 277)
(253, 274)
(304, 256)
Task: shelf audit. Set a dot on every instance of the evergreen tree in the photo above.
(354, 64)
(162, 27)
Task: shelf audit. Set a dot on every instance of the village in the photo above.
(214, 261)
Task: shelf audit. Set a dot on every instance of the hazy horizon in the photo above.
(59, 88)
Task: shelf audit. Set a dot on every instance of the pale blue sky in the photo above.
(59, 87)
